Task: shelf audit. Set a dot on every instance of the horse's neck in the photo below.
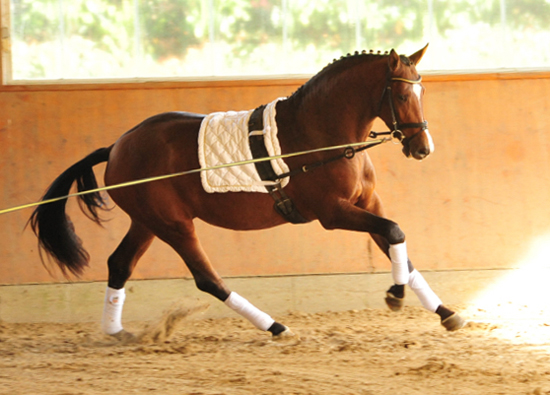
(337, 109)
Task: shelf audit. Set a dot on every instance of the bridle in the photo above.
(397, 133)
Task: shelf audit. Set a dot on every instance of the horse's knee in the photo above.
(213, 288)
(394, 234)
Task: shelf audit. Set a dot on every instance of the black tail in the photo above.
(53, 227)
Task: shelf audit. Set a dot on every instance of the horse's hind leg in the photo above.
(121, 264)
(187, 245)
(404, 273)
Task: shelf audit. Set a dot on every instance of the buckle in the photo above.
(397, 136)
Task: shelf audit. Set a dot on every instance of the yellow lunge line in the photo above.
(183, 173)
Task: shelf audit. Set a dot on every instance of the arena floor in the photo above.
(371, 351)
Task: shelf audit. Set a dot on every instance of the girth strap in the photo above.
(283, 204)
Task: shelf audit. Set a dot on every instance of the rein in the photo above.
(349, 153)
(284, 205)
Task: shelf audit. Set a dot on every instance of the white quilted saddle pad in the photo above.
(223, 139)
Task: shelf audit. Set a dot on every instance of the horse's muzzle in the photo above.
(418, 146)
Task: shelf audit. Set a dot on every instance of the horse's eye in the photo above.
(402, 98)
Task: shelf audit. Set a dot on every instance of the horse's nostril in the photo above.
(422, 153)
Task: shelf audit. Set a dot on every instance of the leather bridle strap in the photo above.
(397, 133)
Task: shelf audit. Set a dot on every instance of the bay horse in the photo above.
(337, 106)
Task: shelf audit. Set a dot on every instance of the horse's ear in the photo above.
(393, 60)
(415, 58)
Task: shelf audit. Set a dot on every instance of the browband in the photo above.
(418, 81)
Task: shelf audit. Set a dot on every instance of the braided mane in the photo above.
(345, 62)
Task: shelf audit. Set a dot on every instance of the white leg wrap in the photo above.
(420, 287)
(242, 306)
(112, 310)
(399, 263)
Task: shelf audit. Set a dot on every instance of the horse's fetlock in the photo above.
(204, 285)
(118, 274)
(212, 288)
(397, 290)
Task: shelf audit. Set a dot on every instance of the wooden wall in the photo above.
(477, 203)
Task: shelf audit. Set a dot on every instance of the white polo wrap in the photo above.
(243, 307)
(111, 322)
(399, 263)
(420, 287)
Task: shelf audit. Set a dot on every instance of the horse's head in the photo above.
(402, 109)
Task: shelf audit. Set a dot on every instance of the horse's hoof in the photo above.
(393, 302)
(124, 336)
(287, 333)
(453, 323)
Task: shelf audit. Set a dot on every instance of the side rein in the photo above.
(283, 204)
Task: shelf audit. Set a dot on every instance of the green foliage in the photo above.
(130, 31)
(520, 14)
(168, 29)
(35, 21)
(247, 24)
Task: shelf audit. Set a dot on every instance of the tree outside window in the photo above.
(80, 39)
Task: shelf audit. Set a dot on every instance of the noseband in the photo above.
(397, 133)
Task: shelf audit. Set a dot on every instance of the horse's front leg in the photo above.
(368, 216)
(396, 293)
